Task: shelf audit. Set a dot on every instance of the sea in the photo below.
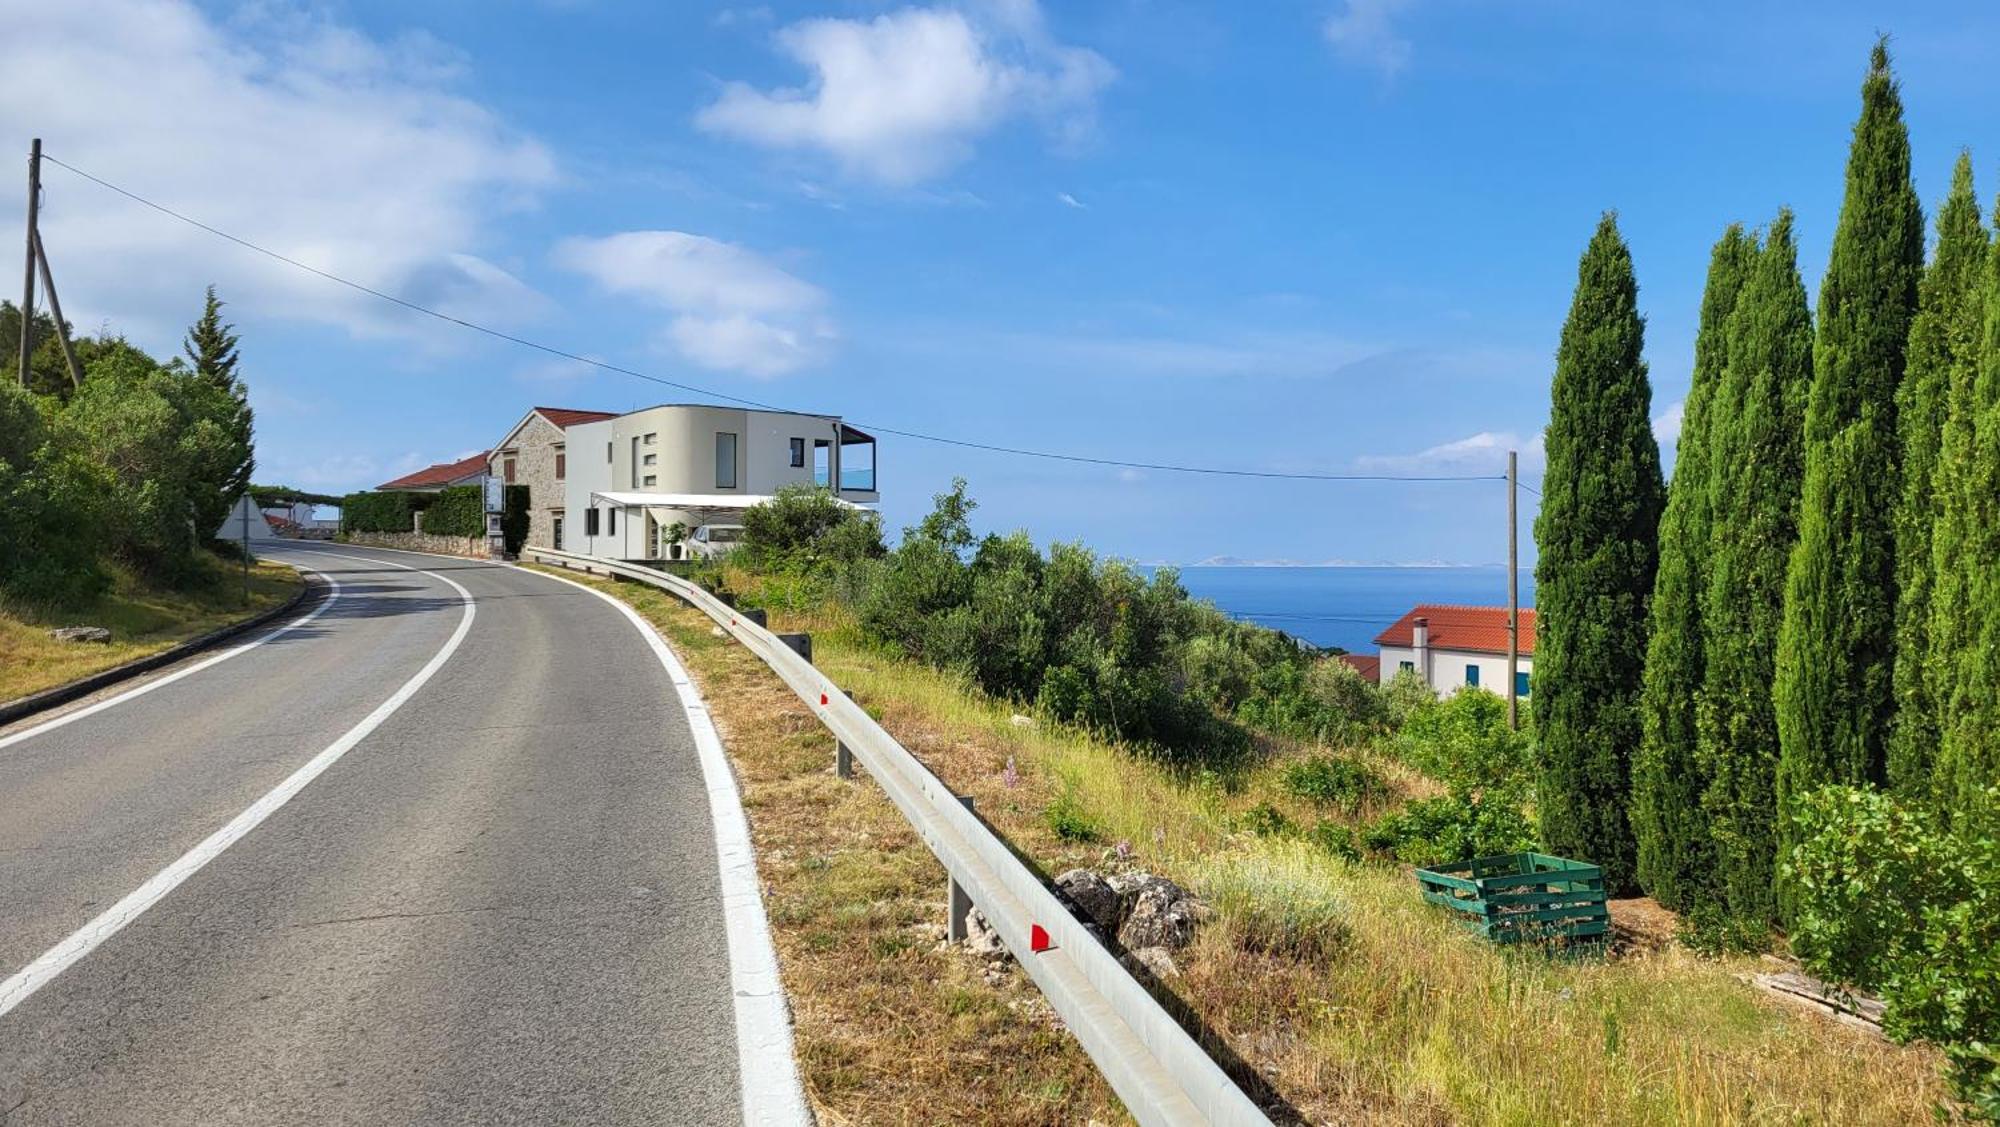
(1345, 606)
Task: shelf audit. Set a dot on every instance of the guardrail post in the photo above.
(958, 918)
(800, 644)
(758, 615)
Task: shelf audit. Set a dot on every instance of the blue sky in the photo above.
(1336, 236)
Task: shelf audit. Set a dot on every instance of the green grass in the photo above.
(142, 621)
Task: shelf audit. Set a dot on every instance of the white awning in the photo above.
(695, 500)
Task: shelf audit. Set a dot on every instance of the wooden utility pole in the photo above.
(1513, 594)
(28, 279)
(55, 310)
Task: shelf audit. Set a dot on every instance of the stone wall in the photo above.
(472, 546)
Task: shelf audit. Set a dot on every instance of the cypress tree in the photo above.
(1598, 538)
(1935, 397)
(1836, 647)
(1674, 859)
(211, 349)
(1756, 449)
(1969, 755)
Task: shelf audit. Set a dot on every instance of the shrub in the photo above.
(1453, 827)
(1067, 818)
(1402, 695)
(1890, 900)
(458, 511)
(1463, 740)
(1264, 820)
(1336, 838)
(378, 512)
(1333, 780)
(1277, 900)
(1319, 699)
(806, 526)
(513, 518)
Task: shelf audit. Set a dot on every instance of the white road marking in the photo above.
(764, 1064)
(332, 596)
(85, 939)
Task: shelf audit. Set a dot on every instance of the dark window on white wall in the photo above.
(798, 451)
(590, 521)
(611, 522)
(725, 460)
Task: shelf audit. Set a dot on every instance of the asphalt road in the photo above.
(500, 905)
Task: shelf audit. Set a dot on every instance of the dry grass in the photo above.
(1358, 1002)
(142, 622)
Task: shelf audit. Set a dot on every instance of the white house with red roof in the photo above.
(1455, 646)
(443, 475)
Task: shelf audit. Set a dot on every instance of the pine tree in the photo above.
(1836, 648)
(1969, 677)
(1943, 358)
(1756, 448)
(1598, 539)
(1674, 858)
(211, 349)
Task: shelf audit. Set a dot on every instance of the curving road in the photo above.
(440, 853)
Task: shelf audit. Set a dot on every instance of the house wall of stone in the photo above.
(534, 448)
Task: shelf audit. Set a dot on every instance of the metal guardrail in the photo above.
(1161, 1073)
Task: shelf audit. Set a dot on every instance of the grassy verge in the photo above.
(142, 621)
(1357, 1001)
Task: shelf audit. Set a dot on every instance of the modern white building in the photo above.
(1456, 646)
(630, 479)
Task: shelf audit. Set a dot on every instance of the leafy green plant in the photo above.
(1264, 820)
(1334, 780)
(1451, 828)
(458, 511)
(1067, 818)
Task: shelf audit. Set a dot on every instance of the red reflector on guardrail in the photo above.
(822, 700)
(1038, 938)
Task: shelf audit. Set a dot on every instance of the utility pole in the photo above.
(246, 503)
(28, 280)
(1513, 595)
(55, 310)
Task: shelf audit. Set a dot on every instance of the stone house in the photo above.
(534, 454)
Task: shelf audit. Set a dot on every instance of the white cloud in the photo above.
(901, 97)
(1068, 200)
(1485, 452)
(1364, 34)
(350, 153)
(1667, 428)
(733, 309)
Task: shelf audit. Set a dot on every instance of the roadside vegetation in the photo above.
(109, 491)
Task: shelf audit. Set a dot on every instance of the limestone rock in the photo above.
(1157, 961)
(1157, 912)
(81, 634)
(1093, 897)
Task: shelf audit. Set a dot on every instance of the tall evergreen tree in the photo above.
(1674, 858)
(1943, 359)
(211, 350)
(1836, 648)
(1969, 754)
(1756, 449)
(1598, 539)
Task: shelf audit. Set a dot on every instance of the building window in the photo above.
(590, 521)
(1472, 675)
(607, 453)
(507, 470)
(725, 460)
(611, 522)
(558, 533)
(649, 481)
(798, 452)
(1406, 665)
(632, 470)
(649, 459)
(1521, 683)
(649, 438)
(562, 465)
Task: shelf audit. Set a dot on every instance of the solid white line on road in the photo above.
(768, 1077)
(332, 596)
(85, 939)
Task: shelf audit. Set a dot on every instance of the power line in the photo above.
(1048, 455)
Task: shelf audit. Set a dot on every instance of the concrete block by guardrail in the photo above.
(1162, 1073)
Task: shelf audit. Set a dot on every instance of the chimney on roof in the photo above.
(1420, 641)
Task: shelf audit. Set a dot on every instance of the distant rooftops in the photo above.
(1468, 629)
(569, 417)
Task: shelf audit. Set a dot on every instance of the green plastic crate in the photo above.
(1523, 897)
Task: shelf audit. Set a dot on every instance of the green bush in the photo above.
(1264, 820)
(513, 518)
(1333, 780)
(1463, 741)
(1323, 700)
(1890, 900)
(458, 511)
(378, 512)
(806, 526)
(1068, 820)
(1452, 827)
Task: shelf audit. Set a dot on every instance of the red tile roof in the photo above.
(567, 417)
(1473, 629)
(442, 474)
(1368, 665)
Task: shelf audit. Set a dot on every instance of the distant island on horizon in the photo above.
(1237, 561)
